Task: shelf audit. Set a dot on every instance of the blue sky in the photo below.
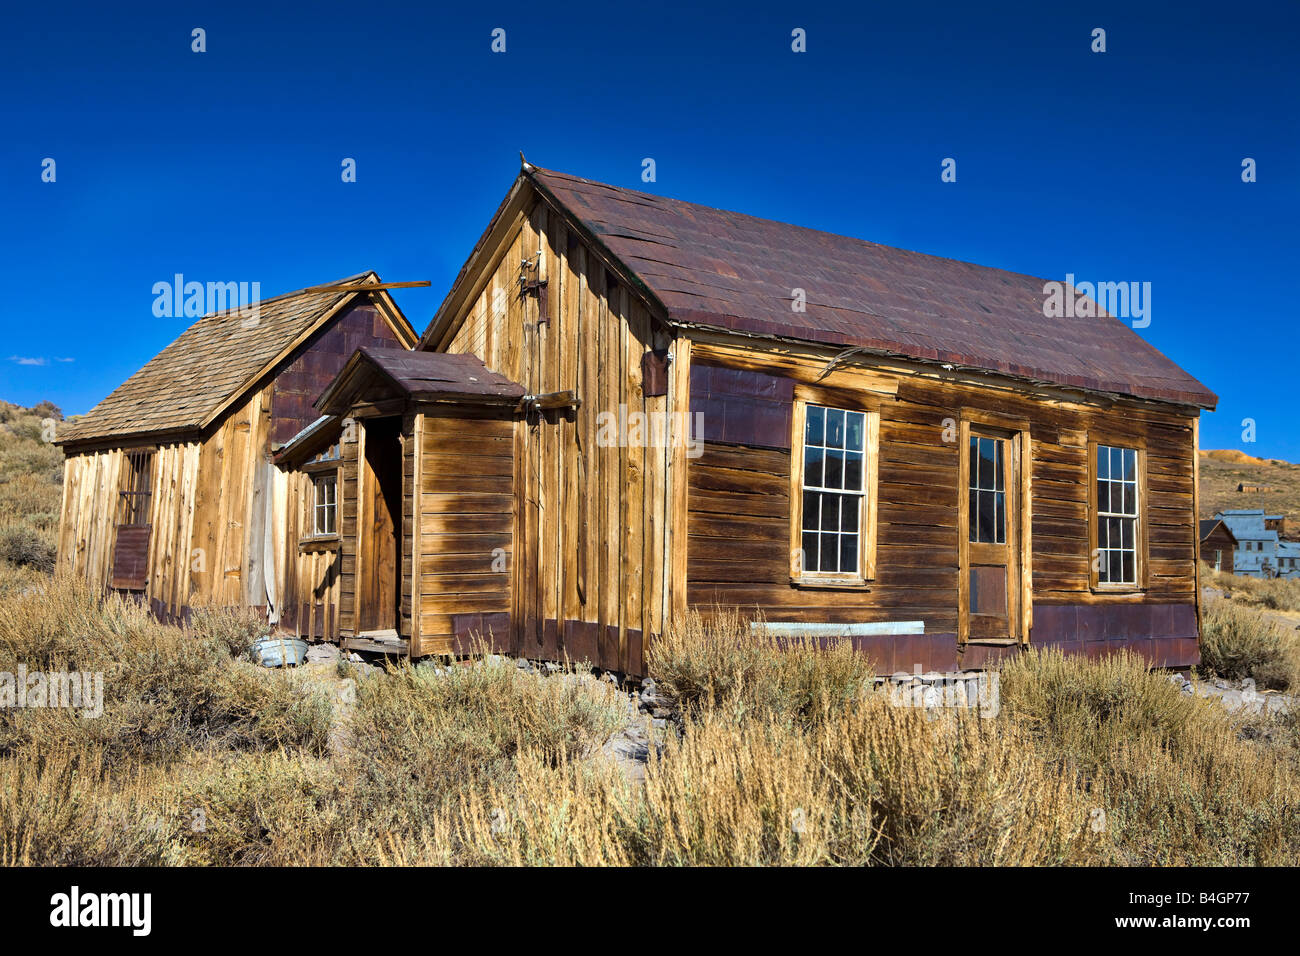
(225, 165)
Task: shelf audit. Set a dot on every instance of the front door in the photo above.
(990, 535)
(379, 526)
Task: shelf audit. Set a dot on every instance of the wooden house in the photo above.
(1218, 545)
(169, 488)
(628, 406)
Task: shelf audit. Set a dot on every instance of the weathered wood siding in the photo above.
(738, 504)
(465, 504)
(591, 541)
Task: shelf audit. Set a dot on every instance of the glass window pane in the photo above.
(856, 423)
(1103, 462)
(1130, 577)
(830, 512)
(1128, 534)
(834, 428)
(1116, 463)
(829, 552)
(1000, 518)
(812, 466)
(1115, 563)
(1103, 540)
(1130, 464)
(987, 516)
(986, 463)
(811, 510)
(849, 553)
(973, 519)
(834, 468)
(814, 425)
(1130, 498)
(853, 471)
(998, 447)
(810, 552)
(1103, 495)
(850, 507)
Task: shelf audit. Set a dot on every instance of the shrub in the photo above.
(721, 665)
(1238, 642)
(25, 546)
(433, 730)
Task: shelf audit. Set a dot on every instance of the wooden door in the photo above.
(990, 527)
(134, 523)
(379, 526)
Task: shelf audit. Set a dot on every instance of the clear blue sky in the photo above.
(225, 165)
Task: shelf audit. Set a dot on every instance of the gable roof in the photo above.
(186, 385)
(430, 376)
(1207, 526)
(714, 269)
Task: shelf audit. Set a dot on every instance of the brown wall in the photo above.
(739, 511)
(592, 541)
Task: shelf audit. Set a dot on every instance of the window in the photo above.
(1116, 528)
(988, 493)
(325, 505)
(137, 487)
(832, 513)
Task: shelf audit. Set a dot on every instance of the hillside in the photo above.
(1222, 470)
(31, 490)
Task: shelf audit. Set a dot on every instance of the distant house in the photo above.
(1218, 545)
(1260, 553)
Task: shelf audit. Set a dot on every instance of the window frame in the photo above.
(135, 487)
(1141, 522)
(319, 507)
(860, 579)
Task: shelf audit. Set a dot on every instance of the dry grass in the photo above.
(31, 488)
(783, 756)
(1238, 642)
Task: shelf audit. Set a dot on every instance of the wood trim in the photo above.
(676, 540)
(1026, 466)
(1142, 570)
(873, 497)
(1017, 559)
(887, 368)
(417, 524)
(1196, 521)
(867, 522)
(963, 530)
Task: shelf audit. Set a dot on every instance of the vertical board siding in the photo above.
(592, 510)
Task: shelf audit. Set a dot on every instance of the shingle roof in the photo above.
(181, 386)
(736, 272)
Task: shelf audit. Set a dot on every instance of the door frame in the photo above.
(368, 617)
(1019, 524)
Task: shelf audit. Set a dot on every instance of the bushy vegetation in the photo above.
(783, 755)
(31, 487)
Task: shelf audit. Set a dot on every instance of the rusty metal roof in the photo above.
(420, 375)
(730, 271)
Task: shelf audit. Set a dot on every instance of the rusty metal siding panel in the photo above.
(131, 557)
(739, 407)
(736, 272)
